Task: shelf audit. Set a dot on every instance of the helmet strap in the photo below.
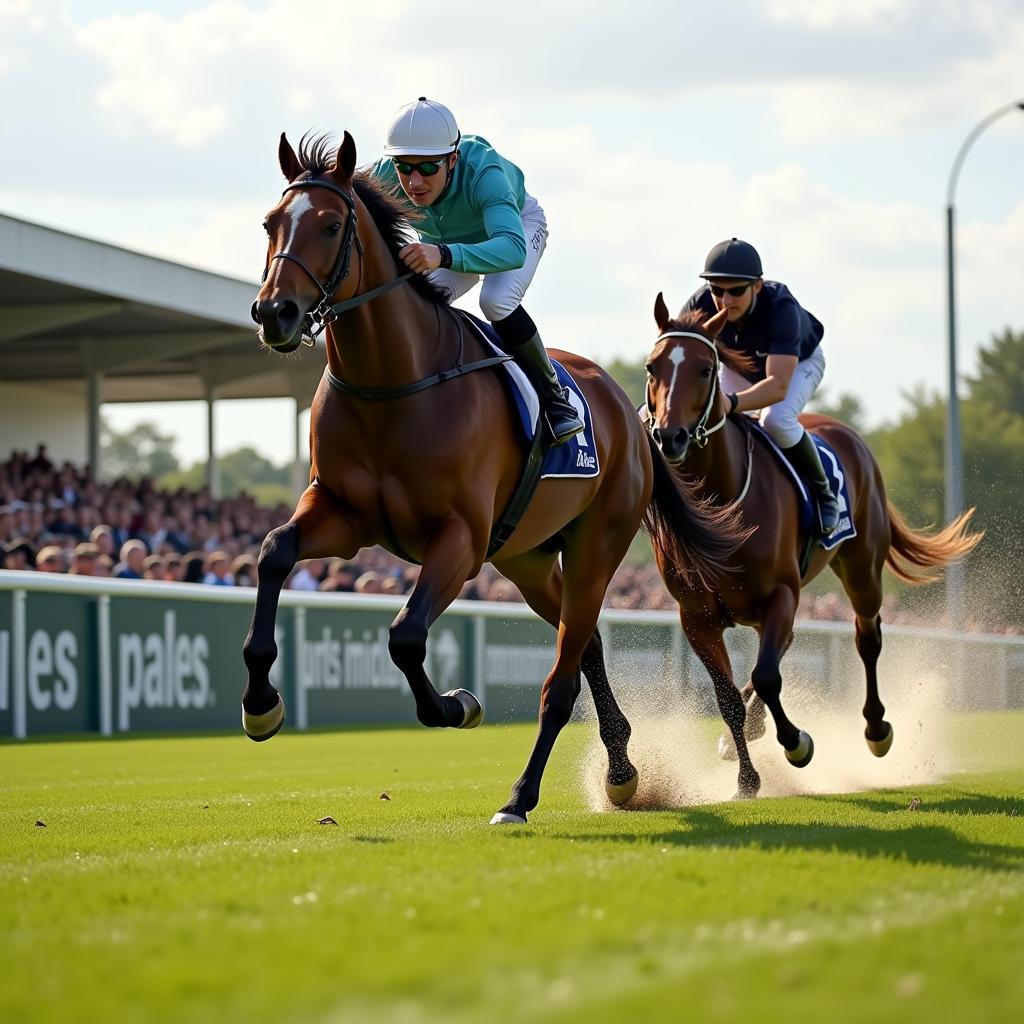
(451, 171)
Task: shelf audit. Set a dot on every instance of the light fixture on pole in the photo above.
(954, 447)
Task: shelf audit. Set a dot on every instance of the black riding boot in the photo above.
(807, 462)
(520, 339)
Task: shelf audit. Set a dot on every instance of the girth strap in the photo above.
(386, 394)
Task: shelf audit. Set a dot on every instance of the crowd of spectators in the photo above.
(58, 519)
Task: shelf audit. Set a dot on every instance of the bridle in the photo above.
(701, 431)
(324, 314)
(319, 318)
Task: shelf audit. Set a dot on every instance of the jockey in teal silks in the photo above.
(476, 219)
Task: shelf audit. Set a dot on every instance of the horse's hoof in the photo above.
(622, 793)
(745, 794)
(472, 709)
(727, 748)
(800, 756)
(262, 727)
(507, 818)
(880, 747)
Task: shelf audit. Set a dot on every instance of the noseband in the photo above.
(700, 433)
(317, 319)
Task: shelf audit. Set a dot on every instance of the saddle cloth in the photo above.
(836, 477)
(578, 456)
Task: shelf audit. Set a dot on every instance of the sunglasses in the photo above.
(428, 168)
(735, 291)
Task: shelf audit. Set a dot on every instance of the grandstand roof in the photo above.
(155, 330)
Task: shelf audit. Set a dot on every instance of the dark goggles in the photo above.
(735, 291)
(428, 168)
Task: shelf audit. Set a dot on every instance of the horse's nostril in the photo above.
(288, 316)
(254, 312)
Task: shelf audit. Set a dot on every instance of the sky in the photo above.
(822, 131)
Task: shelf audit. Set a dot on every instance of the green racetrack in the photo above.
(187, 879)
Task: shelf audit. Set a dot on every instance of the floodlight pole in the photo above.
(954, 445)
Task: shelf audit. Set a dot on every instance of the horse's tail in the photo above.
(912, 553)
(694, 537)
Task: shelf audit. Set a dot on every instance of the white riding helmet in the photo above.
(423, 128)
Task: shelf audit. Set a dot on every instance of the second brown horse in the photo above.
(687, 415)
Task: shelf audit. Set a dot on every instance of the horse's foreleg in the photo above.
(316, 529)
(776, 630)
(447, 562)
(709, 646)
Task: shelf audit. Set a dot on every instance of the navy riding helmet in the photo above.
(733, 259)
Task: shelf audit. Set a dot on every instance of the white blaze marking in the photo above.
(676, 357)
(300, 204)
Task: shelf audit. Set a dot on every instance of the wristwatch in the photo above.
(446, 255)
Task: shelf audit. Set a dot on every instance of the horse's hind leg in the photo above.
(539, 579)
(710, 648)
(862, 581)
(586, 579)
(447, 562)
(316, 529)
(776, 632)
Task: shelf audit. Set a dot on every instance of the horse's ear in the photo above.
(661, 317)
(716, 323)
(345, 161)
(290, 166)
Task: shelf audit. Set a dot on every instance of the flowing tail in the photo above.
(695, 537)
(912, 554)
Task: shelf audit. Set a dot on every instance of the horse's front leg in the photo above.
(447, 563)
(776, 631)
(316, 529)
(709, 645)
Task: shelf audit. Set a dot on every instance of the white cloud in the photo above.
(830, 14)
(645, 147)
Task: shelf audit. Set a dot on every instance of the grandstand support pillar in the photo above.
(297, 478)
(212, 467)
(93, 400)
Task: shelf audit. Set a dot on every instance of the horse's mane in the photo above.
(391, 214)
(694, 321)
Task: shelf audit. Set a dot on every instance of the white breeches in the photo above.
(780, 420)
(502, 293)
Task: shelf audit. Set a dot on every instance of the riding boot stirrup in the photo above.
(559, 413)
(805, 458)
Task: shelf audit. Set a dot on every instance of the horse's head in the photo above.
(682, 379)
(311, 236)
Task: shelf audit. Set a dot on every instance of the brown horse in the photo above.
(687, 415)
(420, 452)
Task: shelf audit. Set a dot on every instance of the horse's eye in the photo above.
(266, 227)
(333, 229)
(706, 372)
(649, 368)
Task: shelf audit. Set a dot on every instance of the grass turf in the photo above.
(187, 879)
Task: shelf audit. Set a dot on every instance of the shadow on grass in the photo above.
(703, 827)
(963, 803)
